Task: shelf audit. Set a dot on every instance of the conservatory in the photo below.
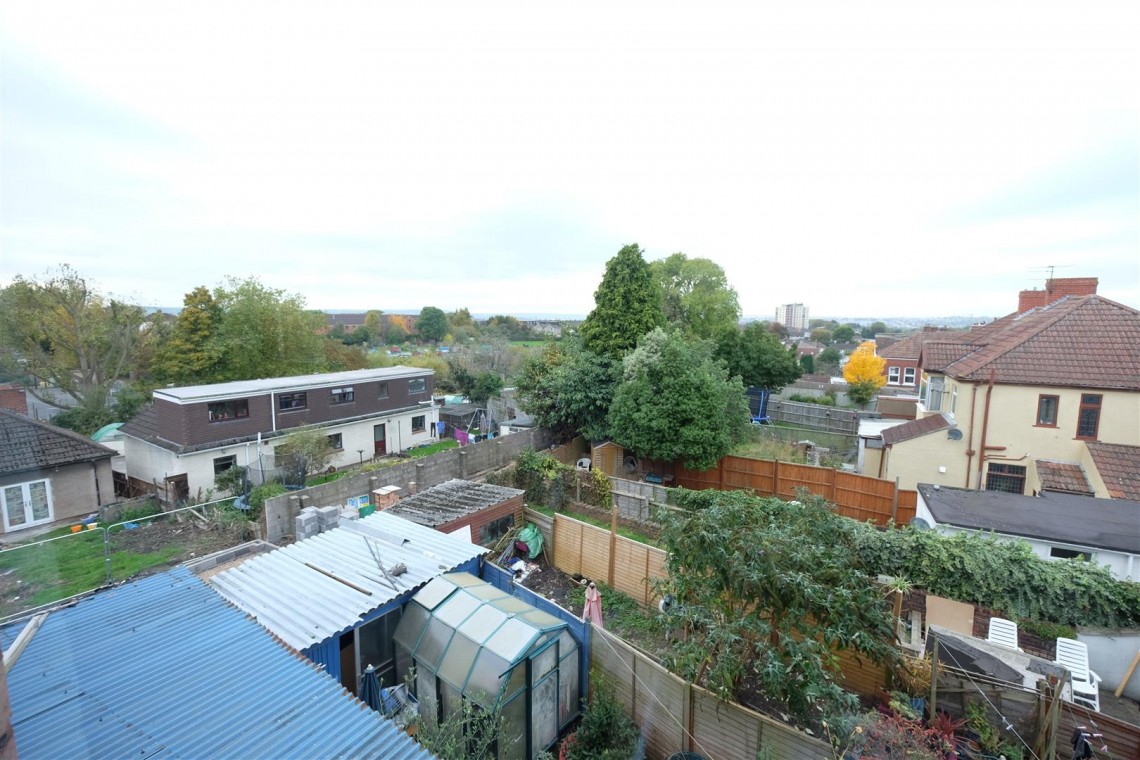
(471, 641)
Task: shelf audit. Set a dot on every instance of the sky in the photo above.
(867, 159)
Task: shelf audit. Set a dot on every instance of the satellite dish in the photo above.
(954, 434)
(919, 524)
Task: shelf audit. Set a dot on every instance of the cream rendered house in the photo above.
(1041, 400)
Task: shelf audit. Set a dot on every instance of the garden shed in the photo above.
(489, 510)
(470, 641)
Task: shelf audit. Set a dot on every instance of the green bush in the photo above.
(825, 400)
(258, 496)
(1001, 574)
(606, 732)
(139, 512)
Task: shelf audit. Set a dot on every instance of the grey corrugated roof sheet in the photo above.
(1112, 524)
(286, 593)
(193, 393)
(165, 668)
(450, 501)
(27, 444)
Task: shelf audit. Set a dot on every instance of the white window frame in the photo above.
(26, 489)
(893, 374)
(909, 374)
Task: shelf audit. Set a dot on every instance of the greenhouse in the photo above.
(471, 641)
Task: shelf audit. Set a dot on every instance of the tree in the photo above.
(65, 333)
(432, 324)
(695, 295)
(265, 332)
(821, 335)
(568, 389)
(676, 402)
(864, 373)
(873, 329)
(302, 453)
(843, 334)
(627, 306)
(191, 354)
(778, 329)
(374, 324)
(758, 357)
(807, 363)
(769, 591)
(828, 361)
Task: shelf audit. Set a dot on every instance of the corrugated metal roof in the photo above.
(164, 667)
(291, 592)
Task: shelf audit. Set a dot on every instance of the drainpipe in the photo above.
(95, 474)
(970, 435)
(273, 409)
(985, 425)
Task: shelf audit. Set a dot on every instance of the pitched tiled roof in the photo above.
(936, 355)
(911, 346)
(1086, 342)
(1119, 468)
(1067, 477)
(914, 429)
(27, 444)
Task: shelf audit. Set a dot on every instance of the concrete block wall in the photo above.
(464, 463)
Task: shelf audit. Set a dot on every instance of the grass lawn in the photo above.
(434, 448)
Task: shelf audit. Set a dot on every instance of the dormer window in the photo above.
(221, 411)
(343, 395)
(417, 385)
(290, 401)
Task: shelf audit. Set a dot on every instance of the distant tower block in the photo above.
(793, 316)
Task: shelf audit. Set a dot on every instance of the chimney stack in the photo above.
(1055, 289)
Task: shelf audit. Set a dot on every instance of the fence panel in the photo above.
(1122, 739)
(815, 416)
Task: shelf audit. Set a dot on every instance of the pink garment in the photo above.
(593, 609)
(461, 436)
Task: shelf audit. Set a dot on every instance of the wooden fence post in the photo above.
(934, 680)
(834, 473)
(613, 540)
(776, 478)
(895, 503)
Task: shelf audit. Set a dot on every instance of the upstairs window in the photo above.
(417, 385)
(893, 375)
(908, 376)
(1088, 418)
(228, 410)
(343, 396)
(383, 391)
(289, 401)
(1047, 410)
(1008, 478)
(934, 394)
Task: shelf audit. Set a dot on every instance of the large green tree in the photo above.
(191, 353)
(266, 332)
(568, 389)
(626, 305)
(758, 357)
(695, 295)
(61, 331)
(677, 403)
(432, 324)
(767, 592)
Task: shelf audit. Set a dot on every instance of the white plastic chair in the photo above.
(1074, 655)
(1003, 633)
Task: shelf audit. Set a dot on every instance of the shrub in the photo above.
(801, 398)
(258, 496)
(606, 733)
(140, 512)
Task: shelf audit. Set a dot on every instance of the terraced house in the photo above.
(189, 435)
(1045, 399)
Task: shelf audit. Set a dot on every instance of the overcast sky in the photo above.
(867, 159)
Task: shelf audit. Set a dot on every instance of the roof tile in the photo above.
(27, 444)
(1119, 468)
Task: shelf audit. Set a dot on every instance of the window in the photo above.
(417, 385)
(221, 464)
(1009, 478)
(26, 504)
(419, 423)
(1088, 418)
(893, 375)
(908, 376)
(1047, 411)
(228, 410)
(495, 529)
(336, 441)
(383, 390)
(289, 401)
(1056, 552)
(342, 395)
(934, 394)
(954, 400)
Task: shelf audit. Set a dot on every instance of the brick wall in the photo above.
(1054, 289)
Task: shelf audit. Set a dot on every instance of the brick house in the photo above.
(901, 368)
(177, 445)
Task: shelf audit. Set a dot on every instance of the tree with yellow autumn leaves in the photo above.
(864, 373)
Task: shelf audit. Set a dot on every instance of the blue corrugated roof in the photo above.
(164, 667)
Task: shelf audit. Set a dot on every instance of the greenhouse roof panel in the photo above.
(483, 623)
(512, 639)
(457, 609)
(433, 594)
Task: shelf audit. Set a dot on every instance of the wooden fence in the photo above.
(860, 497)
(815, 416)
(675, 715)
(626, 565)
(1122, 739)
